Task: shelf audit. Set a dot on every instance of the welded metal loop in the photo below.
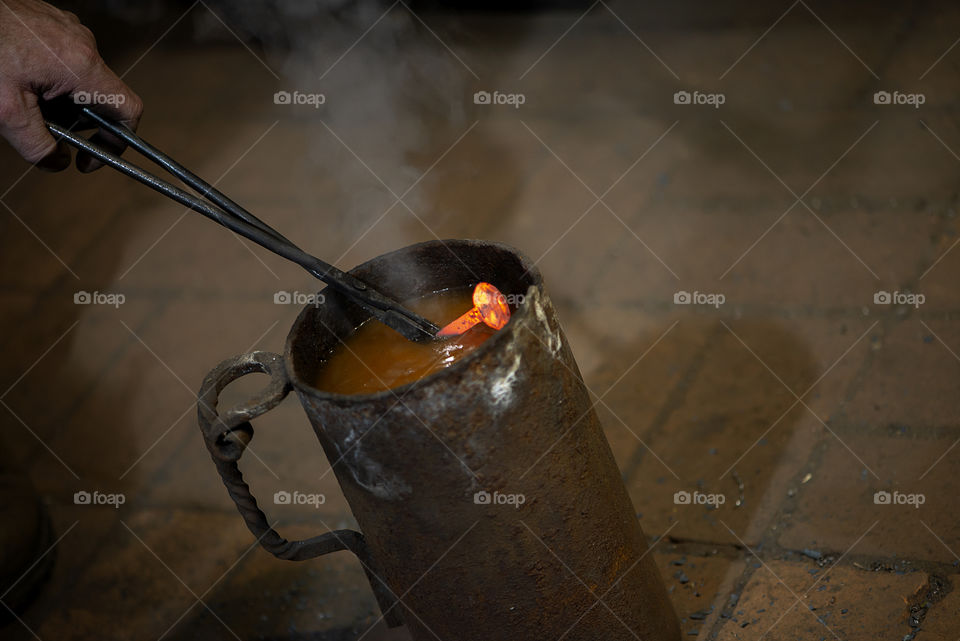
(227, 434)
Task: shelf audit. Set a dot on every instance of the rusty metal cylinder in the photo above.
(489, 503)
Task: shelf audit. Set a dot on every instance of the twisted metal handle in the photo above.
(227, 434)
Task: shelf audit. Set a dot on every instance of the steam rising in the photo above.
(390, 95)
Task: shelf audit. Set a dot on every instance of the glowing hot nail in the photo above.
(489, 307)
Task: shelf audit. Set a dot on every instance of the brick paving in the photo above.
(795, 401)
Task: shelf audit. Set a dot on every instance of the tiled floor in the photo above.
(798, 200)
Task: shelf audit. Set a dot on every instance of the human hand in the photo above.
(46, 53)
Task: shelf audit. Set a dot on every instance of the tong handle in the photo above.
(202, 187)
(229, 214)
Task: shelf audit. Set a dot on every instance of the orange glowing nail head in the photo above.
(489, 307)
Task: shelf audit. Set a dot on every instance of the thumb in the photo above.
(21, 123)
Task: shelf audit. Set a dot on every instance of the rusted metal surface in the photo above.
(416, 463)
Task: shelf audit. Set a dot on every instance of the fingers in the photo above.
(107, 94)
(47, 53)
(58, 160)
(87, 163)
(21, 123)
(101, 90)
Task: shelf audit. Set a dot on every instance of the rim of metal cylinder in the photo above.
(463, 363)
